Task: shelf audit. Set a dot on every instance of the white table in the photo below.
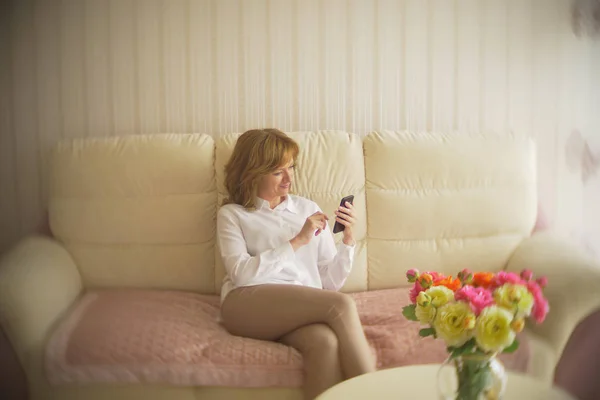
(419, 382)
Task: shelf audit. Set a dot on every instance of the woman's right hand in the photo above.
(313, 226)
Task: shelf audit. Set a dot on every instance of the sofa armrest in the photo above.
(573, 283)
(38, 283)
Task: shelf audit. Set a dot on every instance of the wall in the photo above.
(84, 68)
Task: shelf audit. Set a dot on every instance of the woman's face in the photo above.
(277, 183)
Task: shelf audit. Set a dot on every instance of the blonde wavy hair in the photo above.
(257, 152)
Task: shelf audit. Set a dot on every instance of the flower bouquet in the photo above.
(478, 316)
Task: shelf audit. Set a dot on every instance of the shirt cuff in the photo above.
(347, 246)
(345, 250)
(285, 252)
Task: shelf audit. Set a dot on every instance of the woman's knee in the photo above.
(322, 337)
(342, 305)
(314, 339)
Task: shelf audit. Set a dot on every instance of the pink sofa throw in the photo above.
(174, 338)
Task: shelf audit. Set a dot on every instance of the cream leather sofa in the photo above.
(135, 216)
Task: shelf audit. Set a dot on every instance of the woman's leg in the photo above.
(319, 347)
(269, 312)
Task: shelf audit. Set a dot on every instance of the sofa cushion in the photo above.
(174, 337)
(455, 201)
(137, 210)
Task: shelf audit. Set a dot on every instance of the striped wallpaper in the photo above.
(77, 68)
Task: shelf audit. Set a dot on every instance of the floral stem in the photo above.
(473, 378)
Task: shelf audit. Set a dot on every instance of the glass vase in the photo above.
(472, 377)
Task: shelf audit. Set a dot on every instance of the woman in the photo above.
(279, 256)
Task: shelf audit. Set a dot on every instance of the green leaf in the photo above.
(510, 349)
(427, 332)
(409, 312)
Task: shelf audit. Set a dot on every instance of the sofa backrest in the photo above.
(139, 211)
(446, 202)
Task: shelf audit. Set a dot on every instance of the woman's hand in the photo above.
(313, 226)
(347, 217)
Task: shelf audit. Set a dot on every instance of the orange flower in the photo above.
(483, 279)
(425, 280)
(452, 284)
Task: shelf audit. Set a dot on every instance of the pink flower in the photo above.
(412, 275)
(542, 281)
(436, 275)
(478, 298)
(414, 292)
(527, 274)
(540, 309)
(540, 304)
(534, 288)
(503, 277)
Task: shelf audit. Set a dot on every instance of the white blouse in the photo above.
(255, 247)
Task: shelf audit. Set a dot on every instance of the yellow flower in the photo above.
(515, 298)
(454, 323)
(440, 295)
(425, 314)
(423, 299)
(493, 330)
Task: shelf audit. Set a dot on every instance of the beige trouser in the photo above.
(322, 325)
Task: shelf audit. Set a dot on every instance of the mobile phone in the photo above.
(339, 227)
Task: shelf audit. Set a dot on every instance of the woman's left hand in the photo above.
(347, 217)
